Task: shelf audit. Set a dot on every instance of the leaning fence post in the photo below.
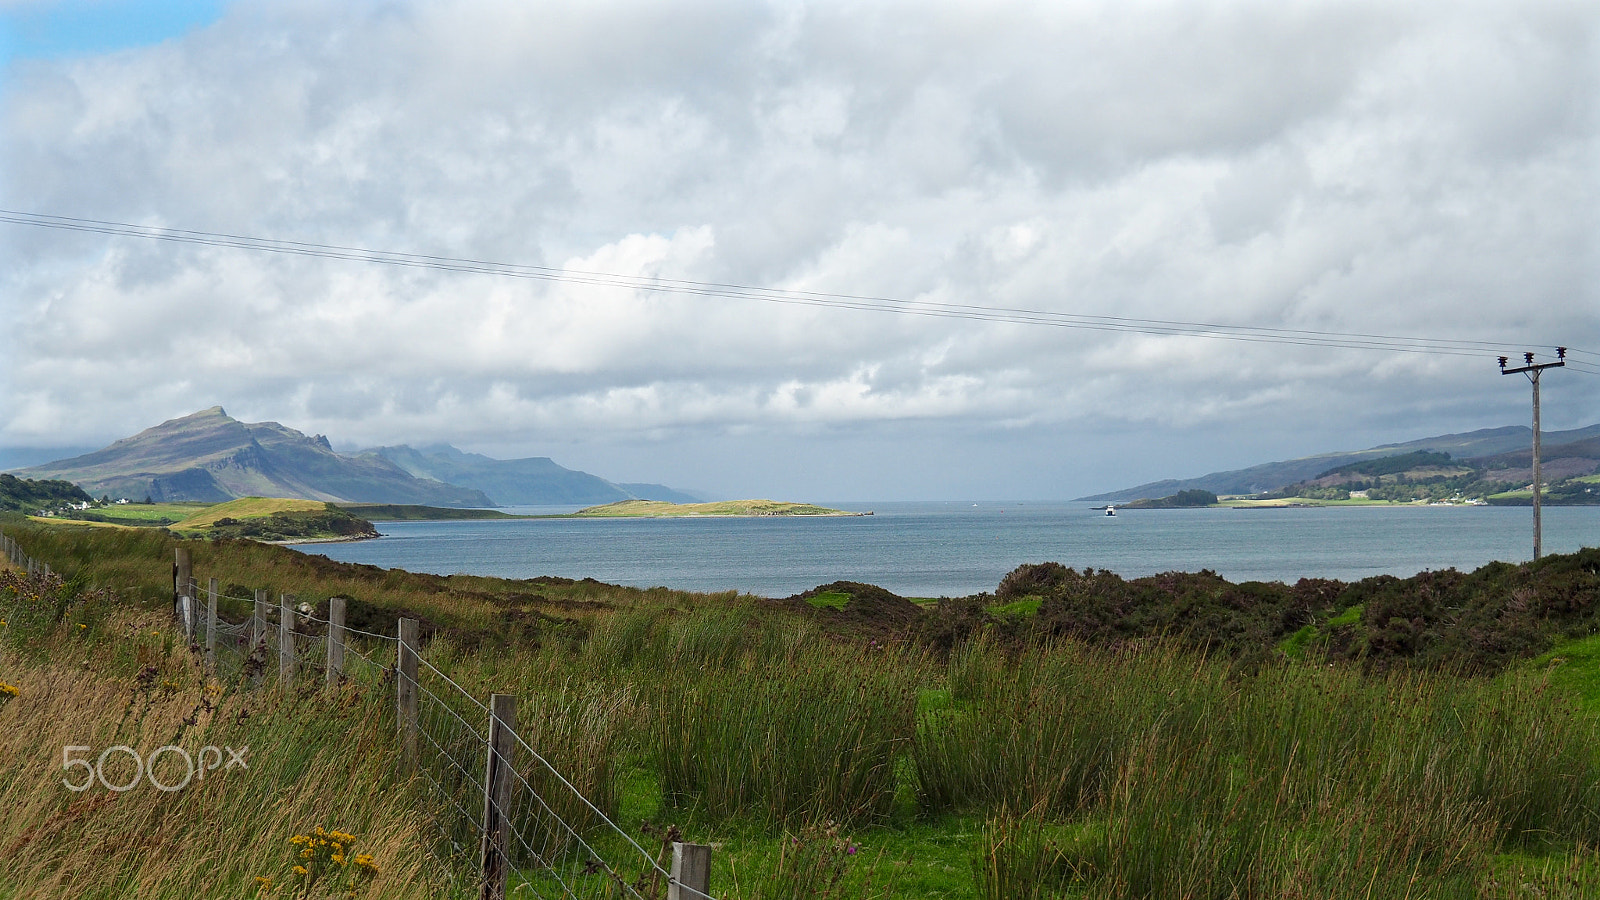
(211, 625)
(180, 577)
(286, 639)
(495, 860)
(406, 693)
(691, 872)
(335, 640)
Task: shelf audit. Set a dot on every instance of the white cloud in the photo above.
(1426, 169)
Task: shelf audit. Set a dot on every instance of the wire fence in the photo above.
(506, 822)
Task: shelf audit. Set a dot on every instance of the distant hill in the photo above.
(212, 457)
(26, 495)
(535, 481)
(1507, 445)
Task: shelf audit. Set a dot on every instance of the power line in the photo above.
(860, 302)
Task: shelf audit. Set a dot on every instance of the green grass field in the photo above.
(245, 508)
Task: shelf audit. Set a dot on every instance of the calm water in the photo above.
(951, 549)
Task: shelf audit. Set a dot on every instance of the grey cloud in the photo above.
(1421, 169)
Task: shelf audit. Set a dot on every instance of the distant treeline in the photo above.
(1180, 500)
(1393, 465)
(29, 496)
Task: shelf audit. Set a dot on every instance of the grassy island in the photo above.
(663, 509)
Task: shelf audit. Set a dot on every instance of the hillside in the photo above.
(1483, 447)
(27, 495)
(212, 457)
(534, 481)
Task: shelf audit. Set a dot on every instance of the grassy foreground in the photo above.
(819, 764)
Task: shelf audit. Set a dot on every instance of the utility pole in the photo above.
(1533, 372)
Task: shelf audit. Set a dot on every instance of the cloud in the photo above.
(1425, 169)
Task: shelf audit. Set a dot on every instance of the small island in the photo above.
(637, 509)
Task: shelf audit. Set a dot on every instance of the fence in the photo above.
(532, 833)
(21, 560)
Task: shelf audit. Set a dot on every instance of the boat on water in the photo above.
(1111, 510)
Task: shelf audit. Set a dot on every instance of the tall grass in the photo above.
(1296, 781)
(1142, 771)
(314, 758)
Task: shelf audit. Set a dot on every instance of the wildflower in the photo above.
(338, 859)
(82, 626)
(300, 870)
(8, 690)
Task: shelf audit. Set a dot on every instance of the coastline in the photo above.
(336, 539)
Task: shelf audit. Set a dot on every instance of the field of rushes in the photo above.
(1142, 772)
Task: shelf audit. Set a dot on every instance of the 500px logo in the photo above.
(144, 768)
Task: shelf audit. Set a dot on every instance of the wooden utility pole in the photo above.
(1533, 371)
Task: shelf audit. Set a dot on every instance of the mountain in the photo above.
(535, 481)
(1485, 443)
(210, 456)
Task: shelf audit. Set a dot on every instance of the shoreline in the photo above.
(337, 539)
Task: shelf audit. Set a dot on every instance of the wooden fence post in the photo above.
(211, 625)
(495, 859)
(286, 639)
(691, 872)
(192, 608)
(406, 693)
(335, 640)
(180, 578)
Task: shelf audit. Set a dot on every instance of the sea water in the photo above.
(959, 548)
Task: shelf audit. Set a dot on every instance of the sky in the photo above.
(1425, 170)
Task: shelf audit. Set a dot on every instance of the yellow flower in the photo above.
(307, 852)
(338, 858)
(8, 690)
(81, 625)
(300, 870)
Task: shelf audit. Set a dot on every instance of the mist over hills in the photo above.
(520, 482)
(1504, 447)
(210, 456)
